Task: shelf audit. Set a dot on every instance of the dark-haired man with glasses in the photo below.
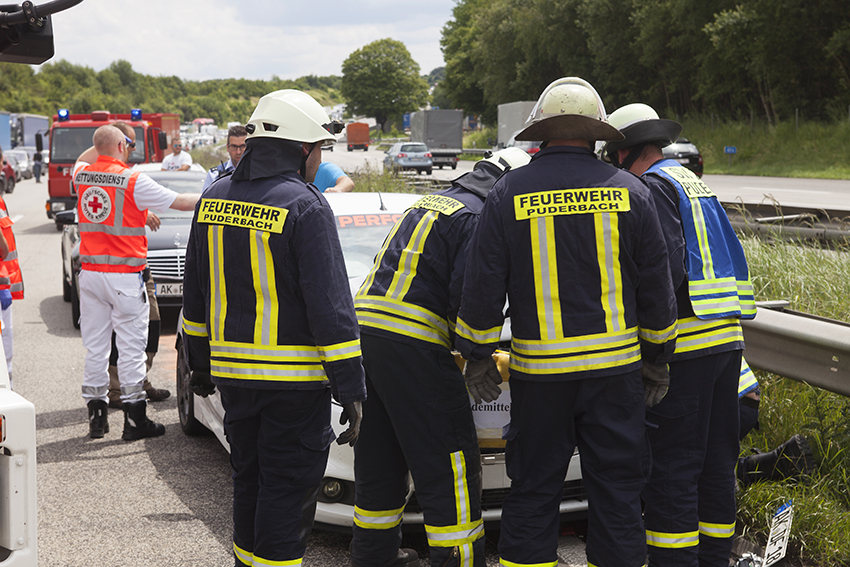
(177, 160)
(236, 136)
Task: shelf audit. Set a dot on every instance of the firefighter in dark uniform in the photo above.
(690, 498)
(418, 417)
(577, 248)
(269, 320)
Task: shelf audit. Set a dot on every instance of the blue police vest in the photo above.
(718, 278)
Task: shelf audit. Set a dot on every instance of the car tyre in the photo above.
(454, 166)
(66, 287)
(428, 171)
(10, 185)
(185, 398)
(75, 305)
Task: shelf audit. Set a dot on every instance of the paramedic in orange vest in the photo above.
(11, 282)
(112, 210)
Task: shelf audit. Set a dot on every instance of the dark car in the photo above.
(686, 153)
(166, 246)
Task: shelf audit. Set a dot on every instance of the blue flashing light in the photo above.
(136, 114)
(64, 115)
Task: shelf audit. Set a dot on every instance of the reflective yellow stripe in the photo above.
(268, 372)
(270, 353)
(720, 531)
(402, 318)
(575, 354)
(218, 289)
(289, 563)
(672, 540)
(697, 334)
(714, 286)
(544, 259)
(409, 259)
(242, 555)
(461, 488)
(507, 563)
(482, 336)
(702, 238)
(377, 519)
(574, 345)
(265, 288)
(607, 230)
(370, 279)
(194, 329)
(340, 351)
(451, 536)
(747, 381)
(580, 363)
(659, 337)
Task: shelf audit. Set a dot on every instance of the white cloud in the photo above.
(253, 39)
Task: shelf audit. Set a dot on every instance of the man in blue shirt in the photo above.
(332, 179)
(236, 136)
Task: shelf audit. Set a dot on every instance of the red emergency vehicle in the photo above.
(71, 135)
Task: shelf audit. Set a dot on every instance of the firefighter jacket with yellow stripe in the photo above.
(10, 271)
(699, 234)
(112, 227)
(576, 245)
(413, 292)
(266, 298)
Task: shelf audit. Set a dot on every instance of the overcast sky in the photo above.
(252, 39)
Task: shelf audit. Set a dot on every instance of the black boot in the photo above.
(406, 557)
(790, 459)
(136, 422)
(98, 425)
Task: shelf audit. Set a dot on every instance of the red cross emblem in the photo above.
(94, 204)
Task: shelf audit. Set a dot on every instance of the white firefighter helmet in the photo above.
(508, 158)
(292, 115)
(569, 108)
(639, 124)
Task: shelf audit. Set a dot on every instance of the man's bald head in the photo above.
(109, 141)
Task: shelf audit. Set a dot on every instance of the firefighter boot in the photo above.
(136, 422)
(792, 458)
(98, 425)
(406, 557)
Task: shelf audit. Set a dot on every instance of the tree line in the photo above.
(683, 57)
(119, 88)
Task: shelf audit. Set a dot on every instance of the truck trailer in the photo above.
(26, 126)
(442, 132)
(357, 136)
(71, 135)
(512, 117)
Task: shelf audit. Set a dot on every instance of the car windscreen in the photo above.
(414, 148)
(68, 143)
(361, 237)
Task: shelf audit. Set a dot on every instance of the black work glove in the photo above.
(656, 380)
(200, 383)
(352, 413)
(483, 379)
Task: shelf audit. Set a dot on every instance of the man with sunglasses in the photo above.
(236, 136)
(177, 160)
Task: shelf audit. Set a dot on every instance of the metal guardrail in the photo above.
(803, 347)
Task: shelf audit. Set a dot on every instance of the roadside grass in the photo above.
(815, 150)
(370, 178)
(817, 281)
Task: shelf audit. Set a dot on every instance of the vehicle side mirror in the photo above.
(66, 217)
(163, 141)
(39, 143)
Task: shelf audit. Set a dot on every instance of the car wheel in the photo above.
(428, 171)
(10, 185)
(454, 166)
(66, 287)
(185, 398)
(75, 306)
(350, 149)
(366, 149)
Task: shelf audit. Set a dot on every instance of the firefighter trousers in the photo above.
(279, 442)
(417, 418)
(690, 498)
(604, 417)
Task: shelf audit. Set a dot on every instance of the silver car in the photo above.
(408, 155)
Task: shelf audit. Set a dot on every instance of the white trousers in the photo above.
(8, 334)
(113, 301)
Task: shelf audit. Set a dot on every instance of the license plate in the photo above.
(416, 159)
(169, 289)
(684, 160)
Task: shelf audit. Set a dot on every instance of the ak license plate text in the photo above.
(169, 289)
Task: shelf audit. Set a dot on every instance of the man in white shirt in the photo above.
(177, 160)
